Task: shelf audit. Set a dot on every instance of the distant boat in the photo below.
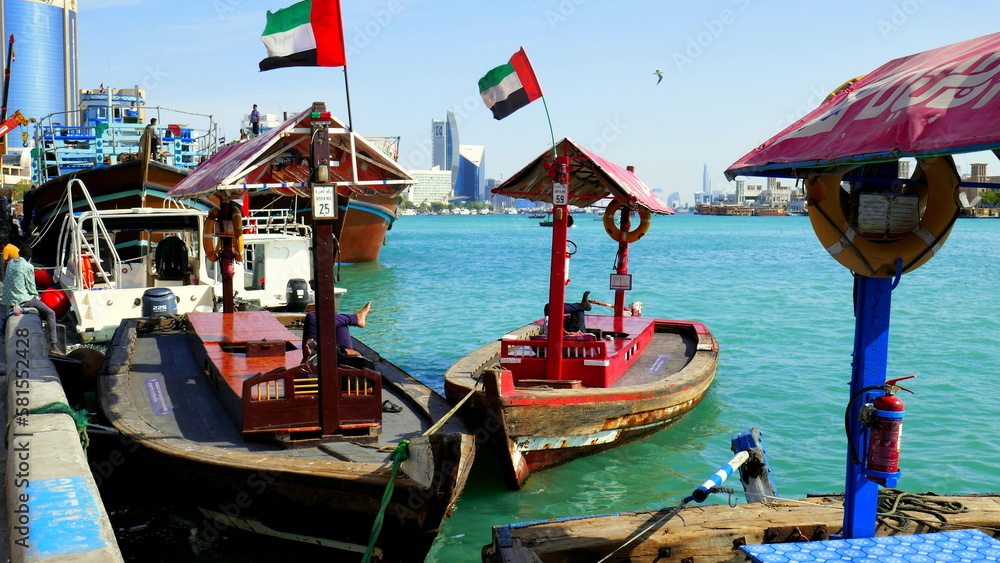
(536, 216)
(770, 211)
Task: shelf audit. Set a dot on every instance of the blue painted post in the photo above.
(873, 298)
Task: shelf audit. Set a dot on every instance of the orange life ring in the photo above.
(86, 272)
(208, 241)
(238, 235)
(616, 232)
(939, 204)
(842, 87)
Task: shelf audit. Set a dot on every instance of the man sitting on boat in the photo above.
(574, 315)
(342, 322)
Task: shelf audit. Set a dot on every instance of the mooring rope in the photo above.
(79, 419)
(891, 503)
(399, 455)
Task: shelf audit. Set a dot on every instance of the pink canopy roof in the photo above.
(942, 101)
(591, 178)
(277, 160)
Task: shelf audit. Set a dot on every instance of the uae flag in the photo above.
(309, 33)
(510, 87)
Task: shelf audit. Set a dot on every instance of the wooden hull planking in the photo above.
(368, 219)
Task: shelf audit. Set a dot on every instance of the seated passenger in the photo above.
(341, 322)
(575, 318)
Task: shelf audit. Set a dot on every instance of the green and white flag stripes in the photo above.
(508, 88)
(308, 33)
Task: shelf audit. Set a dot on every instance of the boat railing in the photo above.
(288, 399)
(64, 148)
(80, 261)
(275, 221)
(583, 349)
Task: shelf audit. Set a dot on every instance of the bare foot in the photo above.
(363, 313)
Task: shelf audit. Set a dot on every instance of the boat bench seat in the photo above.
(553, 383)
(574, 337)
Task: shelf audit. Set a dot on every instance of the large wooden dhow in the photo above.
(225, 403)
(548, 398)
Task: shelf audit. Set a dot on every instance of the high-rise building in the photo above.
(706, 181)
(432, 185)
(444, 136)
(44, 75)
(471, 185)
(498, 200)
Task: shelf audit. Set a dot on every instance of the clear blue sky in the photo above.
(735, 71)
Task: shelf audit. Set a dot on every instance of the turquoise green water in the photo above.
(781, 310)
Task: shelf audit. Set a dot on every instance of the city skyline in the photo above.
(735, 71)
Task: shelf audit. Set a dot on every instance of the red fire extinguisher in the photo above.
(886, 429)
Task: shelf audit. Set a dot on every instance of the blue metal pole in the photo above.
(873, 298)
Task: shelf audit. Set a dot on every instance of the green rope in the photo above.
(891, 503)
(398, 456)
(79, 418)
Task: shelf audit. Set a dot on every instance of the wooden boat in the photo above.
(364, 218)
(880, 227)
(562, 396)
(771, 211)
(225, 402)
(715, 532)
(221, 403)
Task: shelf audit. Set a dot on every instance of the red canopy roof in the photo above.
(942, 101)
(277, 160)
(591, 178)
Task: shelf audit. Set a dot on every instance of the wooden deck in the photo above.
(154, 391)
(705, 533)
(169, 392)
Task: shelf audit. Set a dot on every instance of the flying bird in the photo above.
(659, 75)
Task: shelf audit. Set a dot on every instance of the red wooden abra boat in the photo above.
(224, 403)
(559, 396)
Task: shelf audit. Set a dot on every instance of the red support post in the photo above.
(557, 275)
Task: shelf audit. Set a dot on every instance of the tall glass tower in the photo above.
(444, 135)
(44, 75)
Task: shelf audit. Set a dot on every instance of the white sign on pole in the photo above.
(560, 193)
(324, 202)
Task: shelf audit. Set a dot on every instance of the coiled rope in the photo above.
(891, 503)
(399, 455)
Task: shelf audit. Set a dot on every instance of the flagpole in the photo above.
(350, 129)
(551, 132)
